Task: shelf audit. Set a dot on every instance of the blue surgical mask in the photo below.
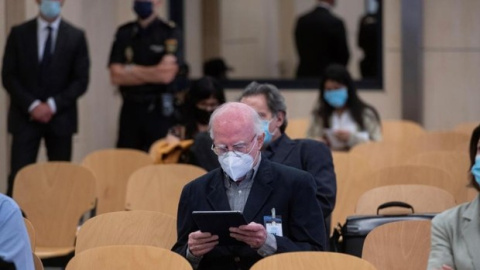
(336, 98)
(50, 9)
(143, 9)
(476, 169)
(266, 130)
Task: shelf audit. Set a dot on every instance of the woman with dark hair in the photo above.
(203, 97)
(340, 117)
(456, 232)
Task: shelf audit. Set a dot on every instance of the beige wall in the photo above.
(452, 62)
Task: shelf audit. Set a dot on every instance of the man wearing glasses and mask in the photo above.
(262, 190)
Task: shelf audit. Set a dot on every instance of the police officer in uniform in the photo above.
(143, 62)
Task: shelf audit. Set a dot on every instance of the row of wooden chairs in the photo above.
(392, 130)
(355, 176)
(55, 195)
(131, 239)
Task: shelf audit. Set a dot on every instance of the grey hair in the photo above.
(275, 100)
(257, 121)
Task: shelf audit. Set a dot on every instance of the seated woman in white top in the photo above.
(340, 117)
(456, 232)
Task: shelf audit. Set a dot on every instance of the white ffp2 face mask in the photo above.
(236, 165)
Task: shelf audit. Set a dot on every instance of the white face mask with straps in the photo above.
(236, 165)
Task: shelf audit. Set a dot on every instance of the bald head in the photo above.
(235, 116)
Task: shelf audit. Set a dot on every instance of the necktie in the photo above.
(47, 50)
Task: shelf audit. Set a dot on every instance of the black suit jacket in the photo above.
(290, 191)
(321, 40)
(310, 156)
(65, 80)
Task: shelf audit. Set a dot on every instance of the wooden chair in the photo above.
(112, 168)
(399, 245)
(128, 228)
(424, 199)
(456, 163)
(31, 234)
(400, 130)
(297, 128)
(311, 260)
(384, 154)
(127, 257)
(54, 196)
(407, 174)
(466, 128)
(349, 169)
(164, 152)
(158, 187)
(440, 141)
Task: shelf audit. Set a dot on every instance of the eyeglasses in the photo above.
(237, 149)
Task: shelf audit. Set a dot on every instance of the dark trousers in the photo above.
(25, 146)
(141, 124)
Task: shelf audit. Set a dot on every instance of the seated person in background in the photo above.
(14, 241)
(340, 117)
(308, 155)
(204, 96)
(456, 232)
(251, 184)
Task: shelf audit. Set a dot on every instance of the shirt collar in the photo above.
(325, 5)
(42, 24)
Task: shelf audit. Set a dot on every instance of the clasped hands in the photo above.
(253, 234)
(42, 113)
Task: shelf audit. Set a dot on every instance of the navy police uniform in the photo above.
(148, 110)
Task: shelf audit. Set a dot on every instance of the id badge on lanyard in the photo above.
(273, 224)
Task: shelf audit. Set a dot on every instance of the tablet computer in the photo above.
(218, 222)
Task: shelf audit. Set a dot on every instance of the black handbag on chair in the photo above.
(349, 238)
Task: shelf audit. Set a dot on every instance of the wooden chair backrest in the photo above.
(456, 163)
(112, 168)
(31, 233)
(424, 199)
(308, 260)
(297, 128)
(127, 228)
(440, 141)
(466, 128)
(127, 257)
(407, 174)
(158, 187)
(349, 169)
(384, 154)
(400, 130)
(399, 245)
(54, 196)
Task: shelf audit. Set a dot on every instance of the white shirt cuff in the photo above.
(34, 105)
(194, 260)
(269, 247)
(52, 105)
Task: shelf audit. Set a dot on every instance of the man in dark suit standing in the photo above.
(262, 190)
(321, 40)
(308, 155)
(45, 70)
